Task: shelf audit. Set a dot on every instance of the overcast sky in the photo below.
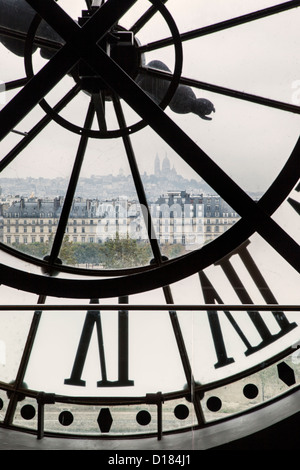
(251, 142)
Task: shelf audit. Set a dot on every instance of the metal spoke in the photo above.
(63, 61)
(13, 84)
(224, 91)
(143, 20)
(223, 25)
(99, 106)
(63, 220)
(138, 183)
(37, 129)
(191, 153)
(24, 362)
(96, 27)
(157, 257)
(36, 89)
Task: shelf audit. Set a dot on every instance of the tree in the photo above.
(89, 253)
(125, 253)
(41, 249)
(67, 252)
(37, 249)
(173, 250)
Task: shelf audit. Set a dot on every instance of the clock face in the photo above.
(150, 198)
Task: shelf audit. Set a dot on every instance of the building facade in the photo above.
(177, 218)
(184, 218)
(35, 220)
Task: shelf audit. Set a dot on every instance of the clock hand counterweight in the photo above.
(14, 25)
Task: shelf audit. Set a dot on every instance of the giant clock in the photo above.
(173, 342)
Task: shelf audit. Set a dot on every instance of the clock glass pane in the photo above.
(149, 210)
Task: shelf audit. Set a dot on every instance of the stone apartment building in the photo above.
(177, 217)
(192, 219)
(35, 220)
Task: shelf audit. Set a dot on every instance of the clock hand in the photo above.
(184, 100)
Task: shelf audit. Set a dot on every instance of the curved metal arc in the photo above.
(223, 25)
(14, 152)
(143, 20)
(64, 60)
(32, 93)
(63, 220)
(133, 283)
(104, 133)
(190, 263)
(158, 257)
(173, 270)
(192, 154)
(38, 41)
(246, 229)
(92, 31)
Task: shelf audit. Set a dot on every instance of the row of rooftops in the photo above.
(88, 208)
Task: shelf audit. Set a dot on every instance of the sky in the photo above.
(242, 138)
